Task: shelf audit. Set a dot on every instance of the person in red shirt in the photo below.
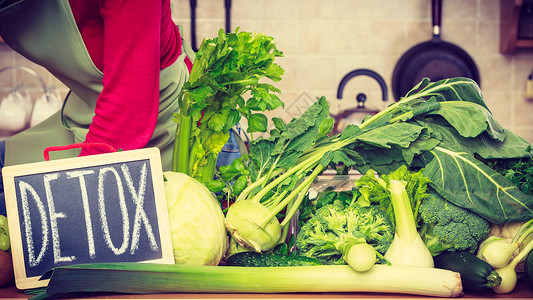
(126, 110)
(124, 62)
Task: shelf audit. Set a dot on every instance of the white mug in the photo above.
(44, 107)
(12, 113)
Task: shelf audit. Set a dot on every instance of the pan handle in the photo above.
(227, 6)
(192, 4)
(436, 17)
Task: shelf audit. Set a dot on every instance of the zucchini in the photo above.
(476, 274)
(255, 259)
(528, 268)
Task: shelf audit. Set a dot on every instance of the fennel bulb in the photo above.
(508, 274)
(196, 221)
(496, 251)
(407, 247)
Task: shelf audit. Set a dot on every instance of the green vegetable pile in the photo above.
(436, 168)
(439, 127)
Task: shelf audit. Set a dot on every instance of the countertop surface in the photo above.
(522, 291)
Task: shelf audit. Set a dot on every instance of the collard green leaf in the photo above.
(400, 134)
(483, 145)
(453, 89)
(418, 147)
(381, 160)
(470, 119)
(513, 146)
(423, 107)
(468, 183)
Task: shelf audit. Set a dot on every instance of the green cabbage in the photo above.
(196, 221)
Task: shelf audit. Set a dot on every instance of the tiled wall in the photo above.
(325, 39)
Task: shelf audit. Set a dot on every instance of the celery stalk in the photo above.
(206, 173)
(180, 159)
(148, 278)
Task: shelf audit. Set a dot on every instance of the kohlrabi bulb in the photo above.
(243, 222)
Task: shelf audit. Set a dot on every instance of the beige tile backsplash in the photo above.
(323, 40)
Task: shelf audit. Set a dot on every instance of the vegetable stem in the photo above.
(300, 189)
(294, 208)
(526, 249)
(523, 232)
(249, 189)
(405, 222)
(181, 156)
(207, 172)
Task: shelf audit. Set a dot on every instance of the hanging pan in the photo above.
(434, 59)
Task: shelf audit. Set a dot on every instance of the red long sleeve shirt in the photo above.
(130, 42)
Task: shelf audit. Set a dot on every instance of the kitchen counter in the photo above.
(522, 291)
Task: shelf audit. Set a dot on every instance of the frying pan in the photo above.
(434, 59)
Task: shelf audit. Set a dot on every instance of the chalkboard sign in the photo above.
(101, 208)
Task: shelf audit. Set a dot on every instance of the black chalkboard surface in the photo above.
(100, 208)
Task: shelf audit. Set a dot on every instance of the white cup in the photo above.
(13, 113)
(44, 107)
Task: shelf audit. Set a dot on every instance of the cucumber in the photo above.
(528, 268)
(476, 274)
(255, 259)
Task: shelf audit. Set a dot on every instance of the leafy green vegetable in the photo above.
(445, 226)
(452, 148)
(324, 197)
(211, 102)
(467, 182)
(374, 190)
(518, 171)
(276, 182)
(440, 127)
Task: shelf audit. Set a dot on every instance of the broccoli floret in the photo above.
(330, 233)
(445, 226)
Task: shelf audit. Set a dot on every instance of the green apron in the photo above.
(44, 31)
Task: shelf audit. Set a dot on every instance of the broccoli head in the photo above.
(333, 229)
(445, 226)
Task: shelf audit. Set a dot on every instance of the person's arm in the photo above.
(126, 111)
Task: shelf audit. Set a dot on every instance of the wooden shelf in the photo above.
(509, 26)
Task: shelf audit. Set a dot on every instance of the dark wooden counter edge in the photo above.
(522, 291)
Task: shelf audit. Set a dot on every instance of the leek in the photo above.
(150, 278)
